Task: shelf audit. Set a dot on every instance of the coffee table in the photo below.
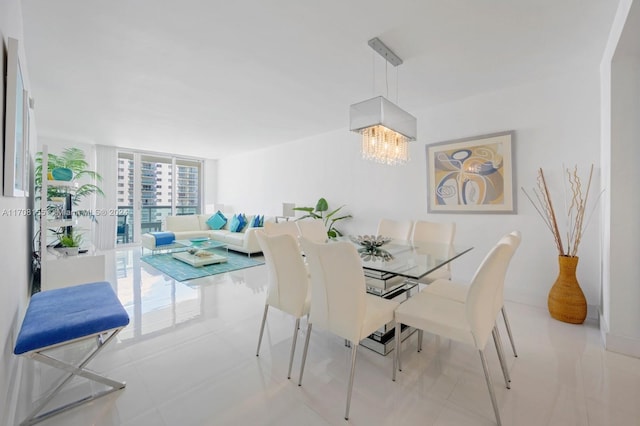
(198, 261)
(202, 246)
(200, 243)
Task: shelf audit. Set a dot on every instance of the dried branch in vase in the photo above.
(575, 210)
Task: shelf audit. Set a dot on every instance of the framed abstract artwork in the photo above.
(16, 142)
(472, 175)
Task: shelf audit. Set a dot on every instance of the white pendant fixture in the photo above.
(386, 128)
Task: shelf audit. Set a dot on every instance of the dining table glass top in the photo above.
(411, 260)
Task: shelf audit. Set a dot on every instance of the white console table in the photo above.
(66, 271)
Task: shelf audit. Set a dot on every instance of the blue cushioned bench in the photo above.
(62, 316)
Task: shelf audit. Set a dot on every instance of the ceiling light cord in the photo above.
(373, 65)
(386, 76)
(397, 79)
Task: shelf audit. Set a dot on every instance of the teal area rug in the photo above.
(181, 271)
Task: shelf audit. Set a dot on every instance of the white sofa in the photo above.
(195, 226)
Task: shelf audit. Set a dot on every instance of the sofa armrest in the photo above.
(251, 243)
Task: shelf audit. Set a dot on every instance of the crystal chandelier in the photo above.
(386, 128)
(383, 145)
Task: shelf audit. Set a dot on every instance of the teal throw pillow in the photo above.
(217, 221)
(233, 225)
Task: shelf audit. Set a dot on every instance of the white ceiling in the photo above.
(216, 78)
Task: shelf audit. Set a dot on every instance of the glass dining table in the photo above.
(392, 271)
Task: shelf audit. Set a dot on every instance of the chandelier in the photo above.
(386, 128)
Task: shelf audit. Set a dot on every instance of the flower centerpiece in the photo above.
(566, 301)
(371, 247)
(370, 241)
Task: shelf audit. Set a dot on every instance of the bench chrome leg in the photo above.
(72, 371)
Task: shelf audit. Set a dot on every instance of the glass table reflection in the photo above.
(392, 270)
(408, 260)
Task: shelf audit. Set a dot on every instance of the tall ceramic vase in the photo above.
(566, 300)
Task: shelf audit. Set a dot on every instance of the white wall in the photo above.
(620, 115)
(16, 228)
(625, 200)
(556, 121)
(210, 182)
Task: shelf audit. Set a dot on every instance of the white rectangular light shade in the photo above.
(381, 111)
(287, 209)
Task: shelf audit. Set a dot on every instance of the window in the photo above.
(154, 182)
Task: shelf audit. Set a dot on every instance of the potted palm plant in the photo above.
(74, 160)
(330, 217)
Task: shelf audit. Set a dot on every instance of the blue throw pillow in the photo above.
(256, 222)
(243, 222)
(233, 225)
(217, 221)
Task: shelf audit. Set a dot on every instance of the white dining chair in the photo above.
(288, 227)
(458, 291)
(425, 232)
(339, 301)
(469, 322)
(313, 230)
(288, 282)
(397, 230)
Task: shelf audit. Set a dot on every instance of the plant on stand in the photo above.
(321, 211)
(74, 160)
(566, 301)
(70, 243)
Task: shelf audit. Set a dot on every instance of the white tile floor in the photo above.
(188, 357)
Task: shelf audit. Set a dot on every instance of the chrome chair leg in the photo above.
(494, 402)
(503, 363)
(506, 323)
(304, 353)
(396, 351)
(420, 333)
(293, 346)
(264, 319)
(354, 350)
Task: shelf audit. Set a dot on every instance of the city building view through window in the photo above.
(152, 187)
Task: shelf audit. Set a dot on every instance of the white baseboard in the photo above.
(604, 328)
(593, 311)
(619, 344)
(593, 314)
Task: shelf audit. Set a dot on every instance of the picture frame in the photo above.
(472, 175)
(16, 140)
